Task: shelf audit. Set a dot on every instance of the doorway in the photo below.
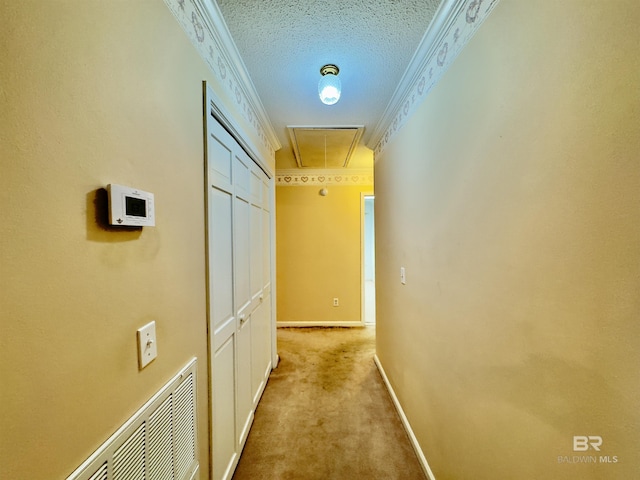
(369, 261)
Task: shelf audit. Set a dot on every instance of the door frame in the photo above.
(363, 197)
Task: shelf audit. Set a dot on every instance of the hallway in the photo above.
(326, 413)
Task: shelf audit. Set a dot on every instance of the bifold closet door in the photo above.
(222, 311)
(239, 296)
(242, 270)
(260, 288)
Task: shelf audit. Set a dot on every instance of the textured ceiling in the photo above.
(283, 44)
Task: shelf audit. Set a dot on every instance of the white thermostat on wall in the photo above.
(130, 207)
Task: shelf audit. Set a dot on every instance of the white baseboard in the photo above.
(405, 422)
(320, 324)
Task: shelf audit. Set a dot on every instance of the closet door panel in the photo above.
(220, 257)
(242, 174)
(266, 248)
(242, 254)
(239, 296)
(260, 347)
(225, 451)
(222, 320)
(243, 305)
(256, 253)
(219, 159)
(244, 397)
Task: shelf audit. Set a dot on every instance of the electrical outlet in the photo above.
(147, 345)
(336, 302)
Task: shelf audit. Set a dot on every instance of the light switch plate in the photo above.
(147, 344)
(403, 276)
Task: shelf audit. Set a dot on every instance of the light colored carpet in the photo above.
(326, 414)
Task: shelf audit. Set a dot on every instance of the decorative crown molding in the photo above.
(203, 23)
(452, 27)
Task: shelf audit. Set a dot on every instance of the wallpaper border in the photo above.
(204, 26)
(313, 177)
(455, 22)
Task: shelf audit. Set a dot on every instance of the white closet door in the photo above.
(222, 312)
(260, 267)
(242, 258)
(239, 235)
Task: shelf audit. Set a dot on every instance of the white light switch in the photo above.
(147, 345)
(403, 276)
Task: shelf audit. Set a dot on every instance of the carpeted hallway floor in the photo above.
(326, 414)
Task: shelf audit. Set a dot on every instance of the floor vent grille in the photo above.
(157, 443)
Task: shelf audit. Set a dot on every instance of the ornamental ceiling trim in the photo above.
(453, 25)
(203, 24)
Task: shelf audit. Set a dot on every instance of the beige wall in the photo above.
(318, 253)
(512, 197)
(92, 93)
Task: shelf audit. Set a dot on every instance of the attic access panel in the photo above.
(308, 145)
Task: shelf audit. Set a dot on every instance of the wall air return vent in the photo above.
(101, 473)
(157, 443)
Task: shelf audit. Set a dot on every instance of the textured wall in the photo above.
(93, 93)
(318, 253)
(512, 197)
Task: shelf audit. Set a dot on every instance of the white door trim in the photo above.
(363, 250)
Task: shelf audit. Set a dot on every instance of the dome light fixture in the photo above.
(329, 86)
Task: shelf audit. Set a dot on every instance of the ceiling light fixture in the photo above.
(329, 86)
